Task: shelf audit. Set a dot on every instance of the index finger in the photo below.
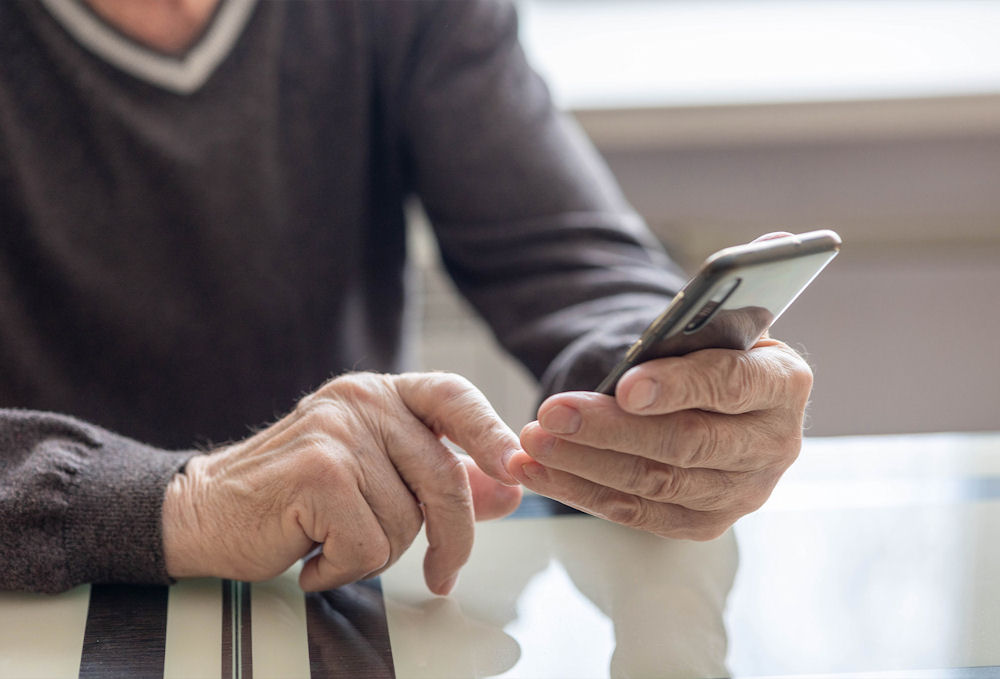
(769, 375)
(451, 406)
(438, 479)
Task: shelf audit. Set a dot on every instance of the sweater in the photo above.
(190, 243)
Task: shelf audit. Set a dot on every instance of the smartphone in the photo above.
(735, 296)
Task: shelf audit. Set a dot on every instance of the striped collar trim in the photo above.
(182, 74)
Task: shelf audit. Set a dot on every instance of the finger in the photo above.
(770, 375)
(451, 406)
(695, 488)
(393, 503)
(688, 438)
(383, 492)
(490, 498)
(667, 520)
(439, 480)
(353, 545)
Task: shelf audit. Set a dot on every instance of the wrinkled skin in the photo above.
(686, 446)
(352, 472)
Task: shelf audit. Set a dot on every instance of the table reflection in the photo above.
(347, 635)
(566, 595)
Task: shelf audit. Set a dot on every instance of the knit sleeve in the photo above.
(531, 225)
(79, 504)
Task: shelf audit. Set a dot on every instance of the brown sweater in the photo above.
(180, 262)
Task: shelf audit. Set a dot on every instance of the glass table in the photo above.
(876, 556)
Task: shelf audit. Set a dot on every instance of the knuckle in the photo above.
(448, 390)
(777, 447)
(482, 425)
(465, 408)
(454, 399)
(349, 404)
(710, 382)
(317, 466)
(728, 492)
(451, 479)
(311, 452)
(317, 406)
(364, 390)
(794, 376)
(801, 380)
(739, 379)
(788, 452)
(661, 483)
(686, 391)
(315, 447)
(739, 497)
(692, 439)
(317, 459)
(373, 555)
(627, 510)
(451, 386)
(451, 472)
(359, 388)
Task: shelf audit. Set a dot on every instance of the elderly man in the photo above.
(201, 219)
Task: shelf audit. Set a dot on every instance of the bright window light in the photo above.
(636, 53)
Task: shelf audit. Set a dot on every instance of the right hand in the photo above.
(354, 470)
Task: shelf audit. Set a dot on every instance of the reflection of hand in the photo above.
(441, 640)
(685, 447)
(354, 469)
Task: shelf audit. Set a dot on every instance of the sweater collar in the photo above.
(183, 74)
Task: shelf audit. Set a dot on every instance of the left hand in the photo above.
(686, 446)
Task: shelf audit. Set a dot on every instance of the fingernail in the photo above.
(561, 420)
(545, 444)
(643, 394)
(533, 471)
(510, 480)
(448, 585)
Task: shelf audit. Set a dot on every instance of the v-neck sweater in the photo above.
(177, 267)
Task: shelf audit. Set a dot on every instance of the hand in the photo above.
(685, 447)
(354, 470)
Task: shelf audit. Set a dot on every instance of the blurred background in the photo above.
(725, 119)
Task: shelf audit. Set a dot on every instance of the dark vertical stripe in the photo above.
(347, 628)
(227, 630)
(245, 638)
(126, 632)
(348, 633)
(237, 651)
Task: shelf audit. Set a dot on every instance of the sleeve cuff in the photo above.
(113, 528)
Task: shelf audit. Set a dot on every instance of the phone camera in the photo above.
(711, 306)
(701, 317)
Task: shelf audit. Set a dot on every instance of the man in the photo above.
(201, 205)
